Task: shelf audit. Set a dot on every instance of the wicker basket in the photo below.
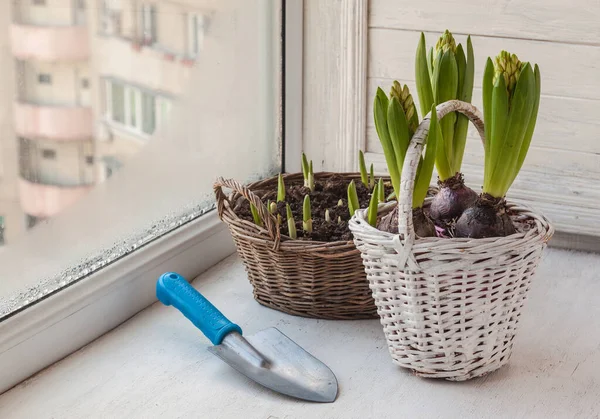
(304, 278)
(449, 307)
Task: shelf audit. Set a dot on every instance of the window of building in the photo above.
(48, 154)
(110, 17)
(196, 28)
(148, 24)
(131, 106)
(117, 102)
(44, 78)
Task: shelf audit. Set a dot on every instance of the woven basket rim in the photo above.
(543, 229)
(260, 234)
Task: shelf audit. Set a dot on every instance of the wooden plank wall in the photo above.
(561, 175)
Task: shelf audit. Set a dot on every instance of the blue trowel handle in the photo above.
(173, 289)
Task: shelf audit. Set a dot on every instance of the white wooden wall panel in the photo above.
(574, 21)
(562, 171)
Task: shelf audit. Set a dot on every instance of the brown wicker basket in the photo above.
(305, 278)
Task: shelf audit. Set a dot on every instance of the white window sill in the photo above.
(156, 364)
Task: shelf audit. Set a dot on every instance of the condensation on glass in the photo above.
(123, 113)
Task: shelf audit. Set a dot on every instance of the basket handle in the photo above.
(268, 220)
(415, 148)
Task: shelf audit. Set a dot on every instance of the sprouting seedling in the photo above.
(381, 190)
(255, 215)
(327, 216)
(339, 219)
(280, 189)
(340, 203)
(353, 204)
(306, 215)
(305, 169)
(372, 211)
(272, 207)
(311, 177)
(291, 222)
(362, 167)
(372, 177)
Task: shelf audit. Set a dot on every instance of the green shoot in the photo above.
(353, 204)
(327, 216)
(340, 203)
(511, 96)
(291, 222)
(362, 167)
(372, 211)
(280, 189)
(272, 207)
(306, 215)
(444, 74)
(339, 219)
(425, 169)
(311, 177)
(255, 215)
(305, 169)
(398, 135)
(381, 190)
(372, 178)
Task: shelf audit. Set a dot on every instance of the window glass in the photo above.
(114, 134)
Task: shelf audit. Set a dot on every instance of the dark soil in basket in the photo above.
(326, 195)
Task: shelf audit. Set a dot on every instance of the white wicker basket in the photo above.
(449, 307)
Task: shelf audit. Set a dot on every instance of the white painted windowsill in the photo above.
(157, 365)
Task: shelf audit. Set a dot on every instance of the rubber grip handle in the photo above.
(173, 289)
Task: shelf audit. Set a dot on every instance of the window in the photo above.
(148, 113)
(131, 106)
(117, 102)
(148, 25)
(141, 203)
(49, 154)
(44, 78)
(196, 28)
(110, 17)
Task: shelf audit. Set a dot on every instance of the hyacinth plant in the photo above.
(511, 98)
(444, 73)
(396, 121)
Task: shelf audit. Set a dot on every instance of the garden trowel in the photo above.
(268, 357)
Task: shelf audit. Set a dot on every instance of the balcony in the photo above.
(50, 43)
(59, 123)
(44, 201)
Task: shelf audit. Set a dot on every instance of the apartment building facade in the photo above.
(88, 83)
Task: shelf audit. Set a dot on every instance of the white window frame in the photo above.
(133, 121)
(60, 324)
